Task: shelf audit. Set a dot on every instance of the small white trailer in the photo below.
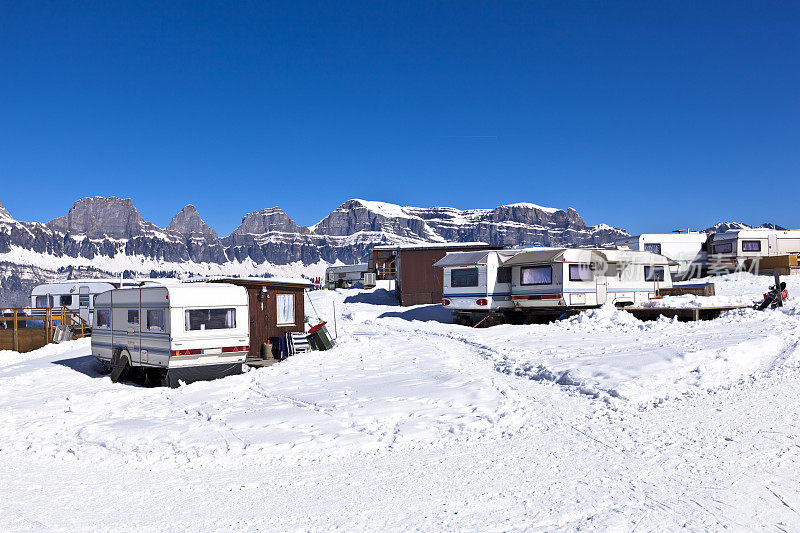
(549, 281)
(730, 250)
(475, 281)
(689, 250)
(76, 294)
(342, 276)
(171, 332)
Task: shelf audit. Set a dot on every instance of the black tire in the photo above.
(120, 365)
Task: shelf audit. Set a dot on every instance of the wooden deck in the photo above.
(684, 314)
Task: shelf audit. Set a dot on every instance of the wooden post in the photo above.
(48, 316)
(16, 334)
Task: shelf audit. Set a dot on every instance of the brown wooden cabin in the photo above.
(264, 295)
(382, 262)
(419, 282)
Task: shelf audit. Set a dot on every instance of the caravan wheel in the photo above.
(120, 365)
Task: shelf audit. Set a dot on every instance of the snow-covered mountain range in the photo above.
(109, 237)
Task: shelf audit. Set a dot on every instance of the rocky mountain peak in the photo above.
(101, 217)
(5, 216)
(188, 222)
(272, 219)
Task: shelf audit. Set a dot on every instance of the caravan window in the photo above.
(65, 300)
(724, 248)
(202, 319)
(653, 273)
(654, 247)
(538, 275)
(581, 273)
(751, 246)
(504, 275)
(133, 317)
(155, 320)
(103, 318)
(285, 304)
(44, 301)
(464, 277)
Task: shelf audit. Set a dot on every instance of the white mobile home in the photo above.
(172, 332)
(345, 275)
(475, 281)
(582, 278)
(688, 250)
(732, 249)
(76, 294)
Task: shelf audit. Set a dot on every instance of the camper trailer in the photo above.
(731, 250)
(582, 278)
(172, 332)
(549, 281)
(475, 281)
(689, 250)
(76, 294)
(342, 276)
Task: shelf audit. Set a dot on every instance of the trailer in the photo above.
(77, 295)
(689, 250)
(514, 285)
(171, 332)
(343, 276)
(737, 249)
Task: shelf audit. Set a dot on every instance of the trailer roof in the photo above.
(581, 255)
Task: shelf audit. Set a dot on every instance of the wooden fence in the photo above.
(16, 332)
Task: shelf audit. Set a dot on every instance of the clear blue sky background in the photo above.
(643, 115)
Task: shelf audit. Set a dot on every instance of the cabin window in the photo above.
(83, 300)
(751, 246)
(285, 305)
(65, 300)
(133, 317)
(203, 319)
(464, 277)
(155, 320)
(103, 318)
(654, 247)
(44, 301)
(504, 275)
(538, 275)
(653, 273)
(725, 248)
(581, 273)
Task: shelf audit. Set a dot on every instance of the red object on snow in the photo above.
(317, 327)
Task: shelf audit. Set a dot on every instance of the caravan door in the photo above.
(772, 247)
(83, 303)
(602, 290)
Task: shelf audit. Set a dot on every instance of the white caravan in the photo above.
(575, 278)
(345, 275)
(732, 249)
(173, 331)
(688, 250)
(475, 281)
(76, 294)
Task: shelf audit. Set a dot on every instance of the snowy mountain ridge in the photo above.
(109, 236)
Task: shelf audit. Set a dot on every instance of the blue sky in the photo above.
(644, 115)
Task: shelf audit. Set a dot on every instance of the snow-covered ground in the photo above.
(412, 423)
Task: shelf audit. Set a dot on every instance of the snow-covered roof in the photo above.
(361, 267)
(266, 281)
(754, 232)
(444, 245)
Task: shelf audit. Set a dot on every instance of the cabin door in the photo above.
(602, 290)
(83, 303)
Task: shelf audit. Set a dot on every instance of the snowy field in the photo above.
(599, 422)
